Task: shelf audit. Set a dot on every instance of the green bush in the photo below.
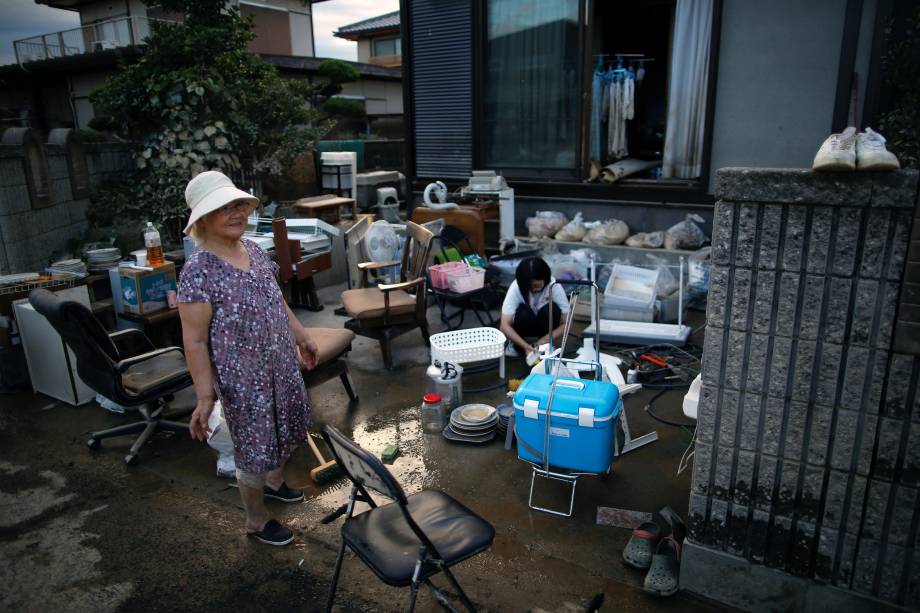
(103, 123)
(901, 123)
(89, 135)
(343, 107)
(198, 100)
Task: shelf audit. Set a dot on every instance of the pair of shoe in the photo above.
(850, 150)
(273, 533)
(647, 550)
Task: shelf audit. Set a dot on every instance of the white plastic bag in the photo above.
(564, 267)
(545, 223)
(220, 441)
(610, 232)
(686, 234)
(649, 240)
(574, 231)
(111, 405)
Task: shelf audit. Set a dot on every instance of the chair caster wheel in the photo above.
(94, 443)
(131, 459)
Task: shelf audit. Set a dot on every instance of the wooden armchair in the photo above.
(389, 310)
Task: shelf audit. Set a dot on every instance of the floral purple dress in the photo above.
(254, 356)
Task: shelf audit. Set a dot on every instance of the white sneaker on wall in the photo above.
(837, 152)
(872, 154)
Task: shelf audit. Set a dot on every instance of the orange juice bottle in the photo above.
(154, 246)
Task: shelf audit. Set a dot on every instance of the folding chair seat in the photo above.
(407, 542)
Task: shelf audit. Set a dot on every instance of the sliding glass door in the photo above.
(531, 87)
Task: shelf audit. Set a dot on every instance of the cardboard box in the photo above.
(144, 291)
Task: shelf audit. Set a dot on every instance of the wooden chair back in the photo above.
(287, 251)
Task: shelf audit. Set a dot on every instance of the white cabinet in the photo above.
(52, 366)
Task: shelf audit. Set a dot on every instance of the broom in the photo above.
(326, 471)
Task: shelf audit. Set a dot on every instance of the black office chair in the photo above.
(406, 542)
(123, 366)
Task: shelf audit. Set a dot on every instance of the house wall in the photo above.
(381, 97)
(806, 466)
(97, 11)
(777, 80)
(302, 34)
(364, 50)
(30, 237)
(82, 85)
(774, 98)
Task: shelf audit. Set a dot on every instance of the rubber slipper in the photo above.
(641, 546)
(284, 493)
(273, 533)
(664, 573)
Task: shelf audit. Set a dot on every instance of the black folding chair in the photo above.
(407, 542)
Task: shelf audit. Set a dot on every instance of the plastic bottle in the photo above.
(432, 414)
(154, 247)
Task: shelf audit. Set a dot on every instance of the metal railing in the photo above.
(91, 38)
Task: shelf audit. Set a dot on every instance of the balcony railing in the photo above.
(92, 38)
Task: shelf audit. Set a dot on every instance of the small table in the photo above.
(160, 325)
(325, 207)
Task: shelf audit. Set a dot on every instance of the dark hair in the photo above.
(531, 269)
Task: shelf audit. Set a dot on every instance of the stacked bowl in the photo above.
(472, 423)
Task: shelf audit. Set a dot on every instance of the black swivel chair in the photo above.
(123, 366)
(411, 540)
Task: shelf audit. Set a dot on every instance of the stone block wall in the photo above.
(807, 463)
(31, 234)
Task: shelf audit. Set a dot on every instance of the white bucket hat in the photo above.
(208, 192)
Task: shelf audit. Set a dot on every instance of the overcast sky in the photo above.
(24, 18)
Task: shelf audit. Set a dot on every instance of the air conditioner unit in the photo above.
(103, 45)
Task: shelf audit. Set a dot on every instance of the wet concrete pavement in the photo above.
(81, 531)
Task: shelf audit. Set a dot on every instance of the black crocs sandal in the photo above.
(273, 533)
(284, 493)
(663, 578)
(641, 546)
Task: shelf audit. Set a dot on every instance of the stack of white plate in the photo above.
(75, 266)
(472, 423)
(103, 259)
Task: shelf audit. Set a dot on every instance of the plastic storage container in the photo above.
(631, 287)
(438, 273)
(432, 414)
(446, 380)
(582, 422)
(465, 280)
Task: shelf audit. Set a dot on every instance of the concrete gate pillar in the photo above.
(807, 463)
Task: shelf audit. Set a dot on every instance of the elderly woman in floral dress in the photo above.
(245, 347)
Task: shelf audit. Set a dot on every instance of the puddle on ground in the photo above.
(412, 468)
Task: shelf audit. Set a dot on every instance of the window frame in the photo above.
(535, 182)
(397, 47)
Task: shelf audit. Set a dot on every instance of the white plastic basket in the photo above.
(469, 345)
(631, 287)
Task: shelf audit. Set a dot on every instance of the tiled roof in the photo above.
(365, 26)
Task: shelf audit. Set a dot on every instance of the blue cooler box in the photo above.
(581, 434)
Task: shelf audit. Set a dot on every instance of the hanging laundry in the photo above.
(597, 111)
(621, 107)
